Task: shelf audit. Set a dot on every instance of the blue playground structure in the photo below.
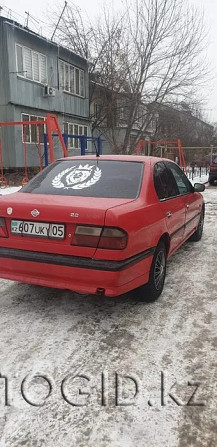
(83, 139)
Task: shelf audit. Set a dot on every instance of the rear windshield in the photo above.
(89, 178)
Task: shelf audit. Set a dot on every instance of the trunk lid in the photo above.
(66, 210)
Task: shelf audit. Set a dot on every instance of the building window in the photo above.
(75, 129)
(132, 142)
(71, 79)
(96, 110)
(139, 116)
(121, 113)
(31, 64)
(33, 133)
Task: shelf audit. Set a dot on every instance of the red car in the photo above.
(101, 225)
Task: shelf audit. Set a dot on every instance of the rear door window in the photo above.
(89, 178)
(164, 183)
(183, 184)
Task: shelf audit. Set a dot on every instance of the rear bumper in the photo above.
(80, 274)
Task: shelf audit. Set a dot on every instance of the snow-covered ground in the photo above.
(199, 179)
(197, 175)
(166, 347)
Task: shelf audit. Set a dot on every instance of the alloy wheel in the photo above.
(159, 269)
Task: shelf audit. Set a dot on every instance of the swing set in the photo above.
(163, 149)
(52, 128)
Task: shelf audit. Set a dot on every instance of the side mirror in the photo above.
(199, 187)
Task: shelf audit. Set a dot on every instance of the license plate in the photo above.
(38, 229)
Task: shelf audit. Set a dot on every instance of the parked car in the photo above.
(100, 225)
(213, 170)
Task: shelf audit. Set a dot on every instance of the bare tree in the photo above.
(180, 122)
(147, 53)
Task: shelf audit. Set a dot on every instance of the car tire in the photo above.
(211, 182)
(152, 290)
(197, 235)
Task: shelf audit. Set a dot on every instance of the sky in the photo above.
(40, 9)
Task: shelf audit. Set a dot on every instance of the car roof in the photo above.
(141, 158)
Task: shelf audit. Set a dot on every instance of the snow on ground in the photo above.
(199, 179)
(167, 347)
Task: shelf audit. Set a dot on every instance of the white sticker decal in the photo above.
(77, 178)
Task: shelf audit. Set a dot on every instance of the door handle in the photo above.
(169, 213)
(187, 205)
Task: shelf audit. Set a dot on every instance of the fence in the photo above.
(197, 171)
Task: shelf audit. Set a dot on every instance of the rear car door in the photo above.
(191, 201)
(170, 202)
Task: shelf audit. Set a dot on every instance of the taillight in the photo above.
(113, 239)
(213, 168)
(99, 237)
(86, 236)
(3, 228)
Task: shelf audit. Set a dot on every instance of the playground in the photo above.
(51, 143)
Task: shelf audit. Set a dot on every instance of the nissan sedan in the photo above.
(100, 225)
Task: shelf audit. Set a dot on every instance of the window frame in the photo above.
(121, 113)
(167, 164)
(139, 116)
(37, 118)
(75, 141)
(172, 178)
(132, 141)
(96, 110)
(23, 76)
(78, 75)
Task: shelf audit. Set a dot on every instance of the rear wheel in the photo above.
(153, 289)
(197, 235)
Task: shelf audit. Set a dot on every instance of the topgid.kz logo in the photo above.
(77, 177)
(104, 389)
